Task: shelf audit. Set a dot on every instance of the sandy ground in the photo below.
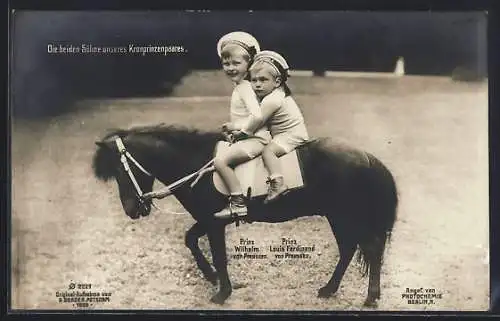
(432, 133)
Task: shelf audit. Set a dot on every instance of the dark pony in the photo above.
(351, 188)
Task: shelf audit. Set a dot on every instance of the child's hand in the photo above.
(228, 137)
(239, 135)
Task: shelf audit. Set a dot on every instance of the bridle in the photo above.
(125, 156)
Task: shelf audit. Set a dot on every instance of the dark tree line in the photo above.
(44, 84)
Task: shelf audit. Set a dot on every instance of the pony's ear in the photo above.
(101, 144)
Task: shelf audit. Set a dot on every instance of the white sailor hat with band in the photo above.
(240, 38)
(275, 60)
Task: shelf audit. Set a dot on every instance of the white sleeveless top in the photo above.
(287, 118)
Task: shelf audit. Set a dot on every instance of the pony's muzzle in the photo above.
(132, 208)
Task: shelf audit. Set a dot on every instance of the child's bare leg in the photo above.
(270, 156)
(224, 166)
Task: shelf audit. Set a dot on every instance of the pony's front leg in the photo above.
(217, 239)
(191, 240)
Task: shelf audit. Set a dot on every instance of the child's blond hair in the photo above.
(275, 72)
(230, 49)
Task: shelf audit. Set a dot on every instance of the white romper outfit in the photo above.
(287, 125)
(241, 112)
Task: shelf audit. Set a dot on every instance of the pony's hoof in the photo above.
(325, 292)
(370, 303)
(219, 298)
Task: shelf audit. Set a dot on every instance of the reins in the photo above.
(171, 188)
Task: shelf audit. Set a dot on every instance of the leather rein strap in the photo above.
(171, 187)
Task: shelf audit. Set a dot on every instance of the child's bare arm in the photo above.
(267, 108)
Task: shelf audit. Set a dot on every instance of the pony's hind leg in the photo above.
(191, 240)
(347, 247)
(217, 239)
(373, 254)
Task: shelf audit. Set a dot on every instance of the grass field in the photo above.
(431, 132)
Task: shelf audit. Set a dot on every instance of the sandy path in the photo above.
(69, 227)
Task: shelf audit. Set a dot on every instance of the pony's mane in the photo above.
(173, 133)
(181, 136)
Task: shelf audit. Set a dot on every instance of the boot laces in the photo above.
(272, 183)
(236, 201)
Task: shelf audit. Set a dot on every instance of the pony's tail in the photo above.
(369, 254)
(381, 202)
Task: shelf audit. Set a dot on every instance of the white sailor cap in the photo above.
(274, 59)
(241, 38)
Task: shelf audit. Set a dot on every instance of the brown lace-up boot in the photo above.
(236, 208)
(277, 187)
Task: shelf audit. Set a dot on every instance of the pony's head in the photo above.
(166, 151)
(107, 165)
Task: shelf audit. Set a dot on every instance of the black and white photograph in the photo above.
(249, 161)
